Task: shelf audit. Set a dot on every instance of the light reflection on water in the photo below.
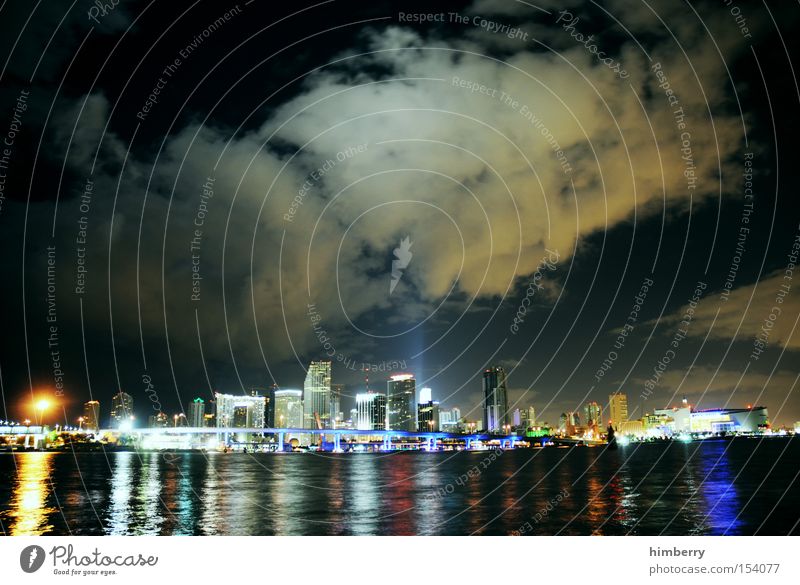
(29, 514)
(677, 489)
(121, 490)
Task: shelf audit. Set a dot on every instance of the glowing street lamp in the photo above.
(41, 406)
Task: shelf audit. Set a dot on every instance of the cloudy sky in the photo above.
(596, 198)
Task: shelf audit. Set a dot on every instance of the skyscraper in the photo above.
(289, 409)
(336, 404)
(158, 420)
(91, 415)
(401, 403)
(317, 395)
(121, 408)
(197, 412)
(240, 411)
(618, 409)
(593, 414)
(371, 408)
(270, 413)
(428, 416)
(495, 400)
(425, 395)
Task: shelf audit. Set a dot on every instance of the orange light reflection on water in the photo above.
(28, 514)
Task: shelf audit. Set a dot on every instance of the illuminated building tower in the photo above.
(495, 400)
(91, 415)
(428, 416)
(197, 413)
(269, 420)
(402, 403)
(562, 421)
(371, 408)
(157, 421)
(121, 408)
(593, 414)
(317, 395)
(289, 409)
(240, 411)
(425, 395)
(336, 404)
(524, 417)
(618, 409)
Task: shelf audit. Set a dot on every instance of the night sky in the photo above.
(207, 196)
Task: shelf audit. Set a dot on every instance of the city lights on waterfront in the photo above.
(403, 418)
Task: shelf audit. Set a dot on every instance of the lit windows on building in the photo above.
(402, 403)
(317, 395)
(371, 411)
(238, 411)
(495, 400)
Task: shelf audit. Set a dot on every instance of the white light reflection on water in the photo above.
(147, 495)
(119, 513)
(363, 497)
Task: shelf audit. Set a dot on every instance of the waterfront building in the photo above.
(197, 412)
(495, 400)
(428, 416)
(371, 411)
(336, 404)
(209, 420)
(630, 427)
(401, 400)
(524, 418)
(157, 421)
(425, 395)
(289, 409)
(91, 415)
(680, 418)
(593, 414)
(618, 409)
(239, 411)
(269, 415)
(317, 395)
(448, 421)
(121, 408)
(739, 420)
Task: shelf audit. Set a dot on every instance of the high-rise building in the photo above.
(425, 395)
(157, 421)
(336, 404)
(240, 411)
(495, 400)
(197, 412)
(524, 417)
(91, 415)
(428, 416)
(402, 403)
(317, 395)
(121, 408)
(289, 409)
(371, 408)
(270, 413)
(618, 409)
(593, 414)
